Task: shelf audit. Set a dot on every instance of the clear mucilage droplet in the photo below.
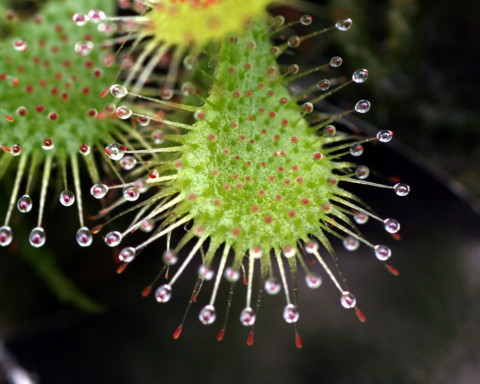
(67, 198)
(336, 61)
(343, 25)
(25, 204)
(163, 293)
(350, 243)
(362, 172)
(6, 236)
(123, 112)
(169, 257)
(290, 313)
(401, 189)
(272, 286)
(207, 315)
(112, 239)
(231, 274)
(247, 317)
(127, 254)
(118, 91)
(362, 106)
(323, 85)
(115, 151)
(391, 225)
(37, 237)
(99, 191)
(384, 136)
(382, 252)
(84, 237)
(348, 300)
(360, 217)
(80, 19)
(83, 48)
(96, 15)
(131, 193)
(360, 76)
(356, 150)
(205, 273)
(20, 45)
(306, 20)
(294, 41)
(313, 280)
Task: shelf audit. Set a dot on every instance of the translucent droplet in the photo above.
(16, 150)
(306, 20)
(37, 237)
(276, 51)
(272, 286)
(112, 239)
(143, 121)
(360, 217)
(123, 112)
(115, 151)
(84, 237)
(350, 243)
(329, 130)
(190, 62)
(247, 317)
(166, 94)
(67, 198)
(188, 88)
(199, 115)
(336, 61)
(384, 136)
(131, 193)
(293, 69)
(47, 144)
(290, 314)
(84, 149)
(356, 150)
(308, 108)
(289, 251)
(401, 189)
(6, 235)
(83, 48)
(169, 257)
(20, 45)
(96, 15)
(128, 163)
(360, 76)
(391, 225)
(362, 106)
(80, 19)
(343, 25)
(323, 85)
(362, 172)
(99, 191)
(25, 204)
(347, 300)
(256, 252)
(278, 20)
(147, 225)
(158, 136)
(163, 293)
(311, 246)
(118, 91)
(313, 280)
(231, 274)
(207, 314)
(205, 273)
(294, 41)
(127, 254)
(141, 185)
(382, 252)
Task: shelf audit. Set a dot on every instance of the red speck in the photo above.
(226, 187)
(396, 236)
(15, 81)
(235, 176)
(284, 122)
(104, 93)
(226, 151)
(147, 291)
(271, 178)
(317, 156)
(52, 116)
(283, 101)
(248, 93)
(40, 108)
(86, 90)
(54, 91)
(270, 93)
(287, 182)
(242, 138)
(332, 180)
(261, 110)
(298, 341)
(280, 169)
(217, 202)
(248, 178)
(299, 180)
(261, 192)
(249, 163)
(392, 270)
(278, 197)
(360, 315)
(250, 338)
(234, 124)
(326, 207)
(236, 94)
(215, 172)
(212, 136)
(268, 219)
(177, 332)
(271, 70)
(294, 140)
(276, 137)
(220, 334)
(67, 64)
(64, 96)
(271, 114)
(248, 66)
(291, 213)
(191, 196)
(178, 164)
(263, 164)
(29, 89)
(9, 118)
(261, 85)
(250, 118)
(255, 208)
(304, 201)
(263, 131)
(235, 231)
(231, 70)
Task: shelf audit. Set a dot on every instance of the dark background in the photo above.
(422, 326)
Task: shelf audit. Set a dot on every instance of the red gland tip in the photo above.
(147, 291)
(360, 315)
(396, 236)
(298, 341)
(392, 270)
(104, 92)
(9, 118)
(96, 229)
(250, 338)
(6, 149)
(121, 268)
(177, 332)
(220, 334)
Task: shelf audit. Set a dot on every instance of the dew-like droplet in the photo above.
(163, 293)
(67, 198)
(350, 243)
(127, 254)
(123, 112)
(256, 252)
(6, 235)
(362, 106)
(290, 313)
(188, 88)
(348, 300)
(205, 273)
(166, 94)
(25, 204)
(247, 317)
(289, 251)
(115, 151)
(112, 239)
(131, 193)
(391, 225)
(311, 246)
(382, 252)
(118, 91)
(147, 226)
(294, 41)
(99, 191)
(330, 130)
(360, 76)
(343, 25)
(278, 20)
(294, 69)
(48, 144)
(275, 51)
(84, 237)
(189, 62)
(272, 286)
(362, 172)
(37, 237)
(356, 150)
(83, 48)
(169, 257)
(207, 314)
(20, 45)
(307, 108)
(141, 185)
(128, 163)
(336, 61)
(323, 85)
(360, 217)
(158, 136)
(313, 280)
(84, 149)
(231, 274)
(384, 136)
(96, 15)
(306, 20)
(401, 189)
(80, 19)
(16, 150)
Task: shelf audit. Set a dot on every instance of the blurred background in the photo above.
(67, 317)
